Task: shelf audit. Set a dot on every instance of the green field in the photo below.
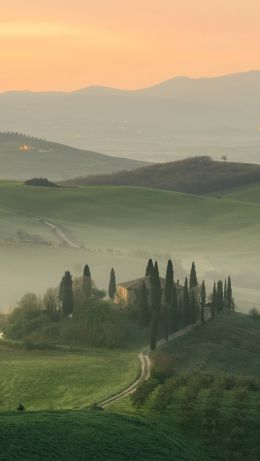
(56, 380)
(92, 435)
(248, 193)
(122, 227)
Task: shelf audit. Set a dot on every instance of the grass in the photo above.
(247, 193)
(123, 226)
(93, 435)
(230, 343)
(57, 380)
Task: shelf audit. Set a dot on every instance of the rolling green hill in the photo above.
(92, 435)
(247, 193)
(197, 175)
(231, 344)
(122, 227)
(214, 394)
(52, 160)
(53, 380)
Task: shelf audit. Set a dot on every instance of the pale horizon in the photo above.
(68, 45)
(154, 84)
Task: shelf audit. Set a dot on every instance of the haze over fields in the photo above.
(175, 119)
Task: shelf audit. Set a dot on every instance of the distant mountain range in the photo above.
(23, 157)
(175, 119)
(197, 175)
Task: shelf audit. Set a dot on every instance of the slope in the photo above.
(121, 227)
(52, 160)
(197, 175)
(88, 435)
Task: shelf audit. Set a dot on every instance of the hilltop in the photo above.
(197, 175)
(24, 157)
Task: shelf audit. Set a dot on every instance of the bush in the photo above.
(162, 366)
(143, 391)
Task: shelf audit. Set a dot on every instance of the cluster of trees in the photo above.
(65, 301)
(172, 307)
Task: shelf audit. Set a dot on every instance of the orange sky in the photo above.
(68, 44)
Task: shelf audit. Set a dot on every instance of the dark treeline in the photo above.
(196, 175)
(171, 307)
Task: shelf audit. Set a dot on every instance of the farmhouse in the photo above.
(127, 292)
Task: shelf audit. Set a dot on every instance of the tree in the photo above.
(149, 268)
(193, 307)
(225, 295)
(169, 282)
(186, 304)
(220, 296)
(66, 294)
(155, 296)
(229, 295)
(86, 282)
(112, 285)
(144, 314)
(174, 314)
(50, 301)
(193, 277)
(214, 301)
(202, 302)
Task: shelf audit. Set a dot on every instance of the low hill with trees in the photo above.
(24, 157)
(197, 175)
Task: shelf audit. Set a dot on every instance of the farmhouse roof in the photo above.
(135, 284)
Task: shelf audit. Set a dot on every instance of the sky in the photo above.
(69, 44)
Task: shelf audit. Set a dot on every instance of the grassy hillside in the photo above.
(247, 193)
(52, 160)
(122, 227)
(58, 380)
(67, 436)
(230, 343)
(197, 175)
(214, 394)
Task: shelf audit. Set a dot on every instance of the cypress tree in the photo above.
(174, 312)
(112, 285)
(225, 295)
(202, 302)
(86, 282)
(66, 294)
(154, 327)
(144, 314)
(186, 304)
(155, 295)
(149, 268)
(214, 301)
(193, 307)
(193, 277)
(169, 283)
(229, 295)
(220, 297)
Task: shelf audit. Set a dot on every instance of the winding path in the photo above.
(60, 234)
(145, 367)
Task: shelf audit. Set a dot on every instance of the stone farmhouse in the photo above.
(127, 292)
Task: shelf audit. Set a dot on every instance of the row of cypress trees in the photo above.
(169, 312)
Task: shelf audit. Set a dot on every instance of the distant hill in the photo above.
(173, 120)
(197, 175)
(23, 157)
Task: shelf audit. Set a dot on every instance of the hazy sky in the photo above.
(68, 44)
